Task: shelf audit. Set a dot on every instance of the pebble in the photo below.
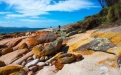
(34, 57)
(42, 59)
(41, 63)
(34, 62)
(33, 68)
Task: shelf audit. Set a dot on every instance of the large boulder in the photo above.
(12, 70)
(52, 47)
(11, 57)
(41, 37)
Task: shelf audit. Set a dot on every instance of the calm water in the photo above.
(11, 30)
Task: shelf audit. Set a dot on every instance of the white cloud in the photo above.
(1, 13)
(43, 20)
(35, 8)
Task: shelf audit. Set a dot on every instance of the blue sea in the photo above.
(11, 30)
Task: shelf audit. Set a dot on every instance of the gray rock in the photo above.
(34, 62)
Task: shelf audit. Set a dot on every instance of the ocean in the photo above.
(11, 30)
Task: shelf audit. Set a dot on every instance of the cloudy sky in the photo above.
(45, 13)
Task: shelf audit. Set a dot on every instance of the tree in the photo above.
(108, 3)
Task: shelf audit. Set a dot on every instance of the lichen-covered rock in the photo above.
(6, 50)
(24, 45)
(37, 50)
(2, 64)
(102, 44)
(41, 37)
(66, 58)
(52, 47)
(12, 70)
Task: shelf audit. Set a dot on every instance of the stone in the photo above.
(34, 56)
(2, 64)
(29, 59)
(12, 70)
(23, 63)
(46, 58)
(6, 50)
(34, 62)
(41, 37)
(37, 50)
(19, 44)
(14, 42)
(20, 60)
(66, 58)
(11, 57)
(52, 47)
(41, 64)
(33, 68)
(24, 45)
(42, 59)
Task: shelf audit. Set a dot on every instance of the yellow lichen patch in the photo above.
(115, 40)
(36, 50)
(24, 45)
(110, 50)
(119, 51)
(118, 44)
(84, 52)
(103, 35)
(11, 69)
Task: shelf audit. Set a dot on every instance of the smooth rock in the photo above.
(34, 62)
(42, 59)
(20, 60)
(41, 64)
(34, 56)
(11, 57)
(33, 68)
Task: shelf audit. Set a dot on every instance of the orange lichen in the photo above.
(116, 39)
(58, 65)
(33, 41)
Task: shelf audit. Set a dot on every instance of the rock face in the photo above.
(11, 57)
(12, 70)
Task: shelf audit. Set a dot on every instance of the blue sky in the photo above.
(45, 13)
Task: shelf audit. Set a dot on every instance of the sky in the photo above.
(45, 13)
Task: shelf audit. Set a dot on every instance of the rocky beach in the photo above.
(53, 52)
